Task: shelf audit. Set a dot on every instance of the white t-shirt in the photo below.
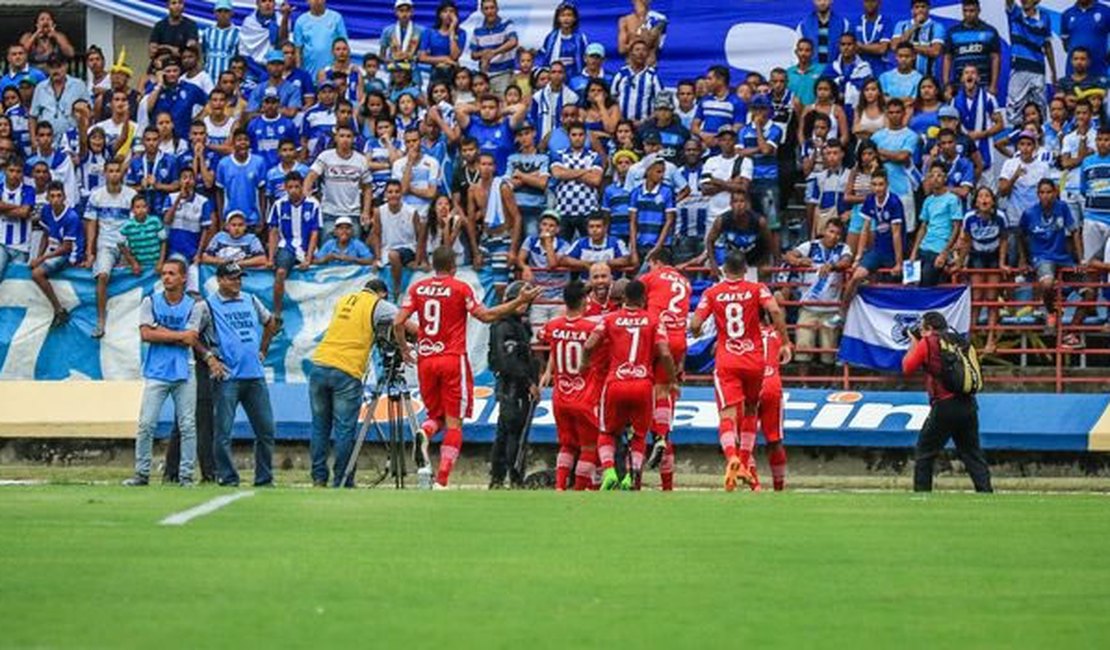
(817, 288)
(343, 178)
(398, 229)
(425, 174)
(1023, 193)
(724, 169)
(1070, 146)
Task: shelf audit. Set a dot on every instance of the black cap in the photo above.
(229, 270)
(652, 137)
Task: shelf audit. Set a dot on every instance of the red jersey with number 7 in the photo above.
(571, 381)
(668, 297)
(633, 336)
(735, 305)
(441, 304)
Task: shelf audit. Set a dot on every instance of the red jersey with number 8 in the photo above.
(442, 304)
(567, 338)
(668, 297)
(633, 336)
(735, 306)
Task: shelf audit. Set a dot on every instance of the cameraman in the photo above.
(951, 416)
(517, 372)
(335, 382)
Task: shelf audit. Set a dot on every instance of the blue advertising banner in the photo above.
(751, 35)
(813, 418)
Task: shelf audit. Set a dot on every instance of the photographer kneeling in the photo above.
(335, 382)
(951, 383)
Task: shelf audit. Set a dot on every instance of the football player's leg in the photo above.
(771, 420)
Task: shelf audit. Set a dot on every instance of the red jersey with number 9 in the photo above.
(442, 304)
(572, 382)
(668, 297)
(632, 336)
(735, 306)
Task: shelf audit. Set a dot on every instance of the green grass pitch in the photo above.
(89, 567)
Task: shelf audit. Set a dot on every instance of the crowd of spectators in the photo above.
(268, 142)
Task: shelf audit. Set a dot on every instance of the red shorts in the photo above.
(575, 425)
(676, 341)
(736, 386)
(770, 416)
(627, 402)
(446, 386)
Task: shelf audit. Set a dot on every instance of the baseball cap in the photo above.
(229, 270)
(345, 221)
(275, 56)
(760, 101)
(654, 159)
(550, 213)
(1027, 135)
(652, 137)
(514, 289)
(526, 125)
(664, 100)
(595, 49)
(948, 112)
(269, 93)
(726, 130)
(402, 3)
(326, 83)
(223, 5)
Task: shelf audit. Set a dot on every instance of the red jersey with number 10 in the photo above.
(772, 378)
(633, 336)
(668, 297)
(567, 338)
(442, 304)
(735, 306)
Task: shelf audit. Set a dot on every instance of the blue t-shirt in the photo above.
(1047, 233)
(295, 223)
(240, 183)
(191, 218)
(873, 32)
(1028, 35)
(180, 102)
(236, 328)
(586, 250)
(899, 174)
(355, 248)
(1094, 185)
(230, 249)
(526, 195)
(972, 45)
(764, 166)
(275, 179)
(267, 134)
(496, 139)
(289, 95)
(435, 44)
(163, 168)
(651, 209)
(615, 203)
(882, 218)
(1087, 28)
(315, 36)
(938, 213)
(715, 112)
(65, 228)
(902, 86)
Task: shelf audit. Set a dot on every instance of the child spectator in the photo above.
(343, 248)
(109, 209)
(597, 246)
(144, 245)
(396, 232)
(935, 244)
(235, 244)
(984, 245)
(294, 225)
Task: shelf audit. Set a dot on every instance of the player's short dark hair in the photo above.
(182, 267)
(663, 256)
(44, 126)
(137, 198)
(574, 293)
(294, 176)
(16, 161)
(55, 186)
(736, 262)
(1046, 182)
(468, 141)
(720, 71)
(835, 221)
(150, 129)
(376, 285)
(240, 132)
(443, 259)
(393, 181)
(904, 45)
(489, 97)
(946, 133)
(934, 320)
(821, 117)
(879, 173)
(634, 292)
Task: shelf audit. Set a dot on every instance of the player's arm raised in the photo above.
(488, 315)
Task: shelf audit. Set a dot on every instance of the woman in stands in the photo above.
(859, 188)
(925, 107)
(983, 249)
(870, 114)
(828, 102)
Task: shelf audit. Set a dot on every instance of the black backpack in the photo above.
(960, 373)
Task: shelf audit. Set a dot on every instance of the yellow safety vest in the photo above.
(346, 344)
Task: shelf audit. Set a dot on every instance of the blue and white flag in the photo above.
(875, 333)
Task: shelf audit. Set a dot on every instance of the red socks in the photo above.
(748, 424)
(606, 449)
(777, 458)
(448, 454)
(584, 470)
(564, 462)
(666, 468)
(664, 411)
(727, 435)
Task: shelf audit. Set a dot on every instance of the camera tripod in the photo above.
(399, 409)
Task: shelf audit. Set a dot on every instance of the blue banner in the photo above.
(752, 35)
(813, 418)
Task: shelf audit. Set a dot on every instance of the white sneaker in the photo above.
(438, 486)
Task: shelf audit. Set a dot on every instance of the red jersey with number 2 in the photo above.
(632, 336)
(442, 304)
(571, 381)
(668, 297)
(735, 305)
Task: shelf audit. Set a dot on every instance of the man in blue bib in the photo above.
(240, 330)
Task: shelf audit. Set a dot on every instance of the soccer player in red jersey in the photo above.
(575, 399)
(738, 370)
(668, 299)
(770, 410)
(441, 304)
(636, 341)
(600, 301)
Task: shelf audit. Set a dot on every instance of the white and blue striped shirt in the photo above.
(111, 212)
(635, 91)
(491, 38)
(16, 232)
(220, 44)
(295, 222)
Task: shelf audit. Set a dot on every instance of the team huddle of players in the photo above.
(615, 366)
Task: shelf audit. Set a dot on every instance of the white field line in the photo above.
(206, 508)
